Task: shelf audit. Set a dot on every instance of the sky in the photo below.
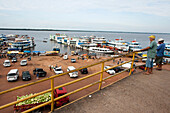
(104, 15)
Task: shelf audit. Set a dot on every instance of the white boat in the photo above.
(52, 37)
(65, 40)
(21, 43)
(81, 41)
(134, 45)
(98, 40)
(88, 45)
(100, 50)
(120, 44)
(72, 41)
(32, 43)
(167, 45)
(59, 37)
(45, 40)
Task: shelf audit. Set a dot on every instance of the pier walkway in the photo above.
(135, 94)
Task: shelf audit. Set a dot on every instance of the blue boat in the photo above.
(167, 53)
(167, 45)
(56, 49)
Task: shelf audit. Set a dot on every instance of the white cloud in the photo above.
(87, 14)
(3, 14)
(155, 7)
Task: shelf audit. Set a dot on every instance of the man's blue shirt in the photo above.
(160, 50)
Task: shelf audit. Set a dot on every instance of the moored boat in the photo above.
(59, 37)
(55, 48)
(100, 50)
(120, 44)
(167, 45)
(45, 40)
(134, 45)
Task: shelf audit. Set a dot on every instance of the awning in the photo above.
(10, 52)
(144, 55)
(51, 52)
(27, 51)
(21, 53)
(13, 49)
(38, 51)
(84, 54)
(91, 54)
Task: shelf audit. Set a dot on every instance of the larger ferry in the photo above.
(100, 50)
(23, 42)
(120, 44)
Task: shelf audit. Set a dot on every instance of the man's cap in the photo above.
(161, 39)
(152, 36)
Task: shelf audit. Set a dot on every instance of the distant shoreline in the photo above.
(30, 29)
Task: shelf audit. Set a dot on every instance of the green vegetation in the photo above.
(41, 98)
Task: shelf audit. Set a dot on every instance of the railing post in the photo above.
(132, 64)
(52, 94)
(101, 76)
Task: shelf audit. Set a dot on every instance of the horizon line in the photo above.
(51, 29)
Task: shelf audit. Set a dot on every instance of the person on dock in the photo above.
(50, 67)
(151, 53)
(160, 54)
(119, 62)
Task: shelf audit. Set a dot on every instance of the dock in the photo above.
(138, 93)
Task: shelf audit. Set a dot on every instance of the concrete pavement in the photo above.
(135, 94)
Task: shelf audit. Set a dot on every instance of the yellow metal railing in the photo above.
(66, 84)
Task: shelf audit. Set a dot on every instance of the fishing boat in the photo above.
(45, 40)
(52, 37)
(100, 50)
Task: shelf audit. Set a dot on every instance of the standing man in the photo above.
(160, 53)
(151, 53)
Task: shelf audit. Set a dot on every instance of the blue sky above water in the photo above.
(112, 15)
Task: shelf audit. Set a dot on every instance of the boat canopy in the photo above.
(51, 52)
(38, 51)
(11, 52)
(14, 49)
(56, 49)
(27, 51)
(91, 54)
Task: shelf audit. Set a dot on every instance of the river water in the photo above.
(41, 46)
